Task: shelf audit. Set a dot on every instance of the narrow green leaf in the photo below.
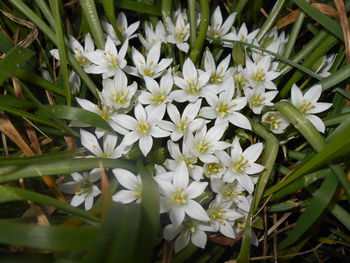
(78, 114)
(16, 102)
(47, 237)
(38, 81)
(90, 12)
(137, 7)
(5, 43)
(10, 194)
(341, 214)
(318, 204)
(331, 25)
(13, 61)
(150, 220)
(59, 166)
(64, 76)
(117, 239)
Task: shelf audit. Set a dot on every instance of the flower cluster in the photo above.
(193, 112)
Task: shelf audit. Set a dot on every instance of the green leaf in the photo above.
(137, 7)
(10, 194)
(331, 25)
(16, 102)
(78, 114)
(47, 237)
(117, 239)
(318, 204)
(341, 214)
(150, 219)
(13, 61)
(91, 15)
(59, 166)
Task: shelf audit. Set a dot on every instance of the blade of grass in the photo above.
(12, 61)
(270, 21)
(203, 28)
(78, 114)
(341, 214)
(47, 237)
(46, 12)
(59, 166)
(90, 12)
(150, 220)
(138, 7)
(64, 76)
(10, 194)
(331, 25)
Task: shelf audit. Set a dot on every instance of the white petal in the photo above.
(254, 168)
(313, 94)
(124, 196)
(253, 152)
(189, 71)
(77, 200)
(170, 232)
(89, 201)
(177, 215)
(246, 182)
(181, 242)
(125, 178)
(317, 122)
(89, 141)
(240, 120)
(195, 189)
(199, 238)
(181, 176)
(196, 211)
(145, 144)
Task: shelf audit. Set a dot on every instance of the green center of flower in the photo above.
(218, 215)
(181, 125)
(137, 190)
(240, 165)
(243, 38)
(83, 61)
(203, 145)
(193, 87)
(240, 80)
(274, 121)
(189, 161)
(83, 187)
(181, 33)
(215, 31)
(121, 28)
(179, 196)
(105, 112)
(306, 106)
(223, 108)
(112, 60)
(188, 228)
(158, 97)
(258, 100)
(259, 75)
(119, 96)
(214, 168)
(143, 127)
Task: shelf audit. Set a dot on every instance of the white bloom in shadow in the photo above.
(132, 183)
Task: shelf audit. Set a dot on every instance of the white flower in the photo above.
(158, 95)
(142, 129)
(214, 170)
(176, 198)
(153, 37)
(222, 217)
(218, 74)
(108, 61)
(189, 230)
(216, 28)
(230, 192)
(258, 98)
(186, 157)
(259, 75)
(122, 24)
(89, 141)
(179, 33)
(104, 111)
(83, 188)
(150, 67)
(240, 81)
(192, 85)
(205, 143)
(325, 65)
(116, 93)
(131, 182)
(75, 82)
(277, 122)
(224, 108)
(241, 164)
(308, 104)
(183, 124)
(78, 50)
(241, 35)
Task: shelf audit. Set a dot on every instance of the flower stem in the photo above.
(198, 46)
(270, 20)
(192, 16)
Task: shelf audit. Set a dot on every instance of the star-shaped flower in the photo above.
(308, 104)
(216, 28)
(131, 182)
